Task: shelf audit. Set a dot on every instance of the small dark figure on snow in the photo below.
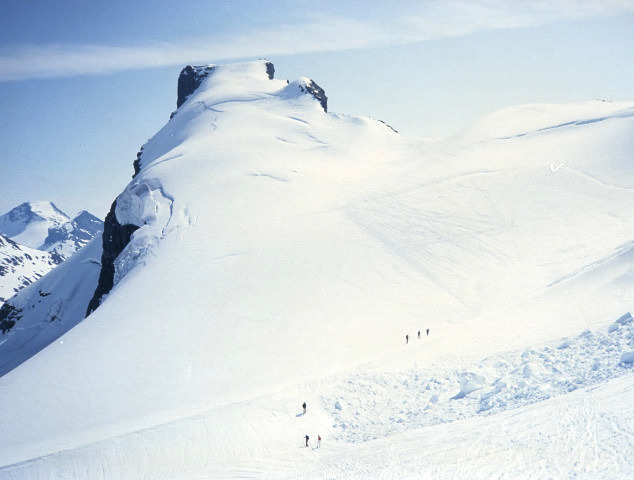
(318, 441)
(428, 332)
(406, 338)
(419, 334)
(304, 407)
(306, 437)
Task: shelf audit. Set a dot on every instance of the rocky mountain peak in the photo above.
(191, 77)
(27, 214)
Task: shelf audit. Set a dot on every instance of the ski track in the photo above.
(584, 434)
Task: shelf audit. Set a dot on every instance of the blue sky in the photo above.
(83, 84)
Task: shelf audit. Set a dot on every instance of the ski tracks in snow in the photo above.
(584, 435)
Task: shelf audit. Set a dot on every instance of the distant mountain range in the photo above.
(35, 237)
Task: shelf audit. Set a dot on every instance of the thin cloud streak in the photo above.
(322, 33)
(31, 61)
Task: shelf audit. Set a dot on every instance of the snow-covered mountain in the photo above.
(267, 253)
(43, 226)
(35, 238)
(28, 224)
(73, 235)
(20, 266)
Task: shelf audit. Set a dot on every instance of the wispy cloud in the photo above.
(321, 32)
(60, 60)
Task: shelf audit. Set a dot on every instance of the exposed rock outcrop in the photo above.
(308, 86)
(9, 315)
(189, 80)
(20, 266)
(191, 77)
(115, 238)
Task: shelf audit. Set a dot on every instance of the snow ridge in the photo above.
(542, 118)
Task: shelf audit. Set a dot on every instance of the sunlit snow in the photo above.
(283, 255)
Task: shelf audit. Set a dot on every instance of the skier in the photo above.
(419, 334)
(318, 441)
(406, 338)
(306, 437)
(304, 407)
(428, 332)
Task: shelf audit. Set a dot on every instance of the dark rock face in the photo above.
(115, 238)
(85, 224)
(22, 214)
(189, 80)
(317, 92)
(270, 70)
(55, 234)
(19, 268)
(388, 126)
(9, 315)
(137, 163)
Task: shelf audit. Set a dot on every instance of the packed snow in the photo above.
(284, 253)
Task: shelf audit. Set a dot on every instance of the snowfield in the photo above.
(282, 256)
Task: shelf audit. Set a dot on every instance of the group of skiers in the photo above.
(307, 437)
(407, 338)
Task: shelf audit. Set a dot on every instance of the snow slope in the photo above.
(20, 266)
(43, 311)
(283, 254)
